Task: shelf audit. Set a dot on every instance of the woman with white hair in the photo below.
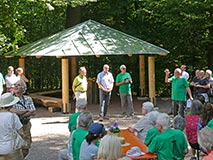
(146, 122)
(24, 108)
(9, 122)
(205, 139)
(110, 148)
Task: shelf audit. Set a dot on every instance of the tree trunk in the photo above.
(73, 16)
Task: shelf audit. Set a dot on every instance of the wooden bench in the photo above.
(46, 101)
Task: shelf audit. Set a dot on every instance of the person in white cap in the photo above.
(124, 81)
(9, 121)
(20, 74)
(10, 79)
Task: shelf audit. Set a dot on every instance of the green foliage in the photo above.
(185, 28)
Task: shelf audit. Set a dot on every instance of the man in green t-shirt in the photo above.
(179, 88)
(124, 81)
(169, 144)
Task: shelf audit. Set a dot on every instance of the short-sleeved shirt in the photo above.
(10, 80)
(192, 127)
(105, 79)
(25, 102)
(126, 87)
(152, 133)
(166, 144)
(78, 137)
(179, 86)
(204, 81)
(73, 121)
(88, 151)
(81, 83)
(181, 144)
(6, 126)
(144, 124)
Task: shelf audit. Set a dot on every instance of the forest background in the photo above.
(185, 28)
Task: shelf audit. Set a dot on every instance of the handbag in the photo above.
(17, 141)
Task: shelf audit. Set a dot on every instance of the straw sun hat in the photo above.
(7, 100)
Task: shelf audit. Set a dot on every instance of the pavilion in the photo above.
(91, 38)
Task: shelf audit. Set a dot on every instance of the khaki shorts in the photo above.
(27, 135)
(17, 155)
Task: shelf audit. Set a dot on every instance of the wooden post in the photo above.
(65, 85)
(142, 75)
(21, 63)
(73, 68)
(151, 68)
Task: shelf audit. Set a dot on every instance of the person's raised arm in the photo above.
(167, 75)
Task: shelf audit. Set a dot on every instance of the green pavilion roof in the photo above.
(89, 38)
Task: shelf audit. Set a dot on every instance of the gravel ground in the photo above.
(50, 132)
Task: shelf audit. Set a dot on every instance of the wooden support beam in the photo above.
(142, 75)
(151, 68)
(65, 85)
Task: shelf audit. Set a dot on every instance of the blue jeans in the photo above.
(127, 97)
(104, 98)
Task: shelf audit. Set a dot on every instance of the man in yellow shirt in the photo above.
(79, 86)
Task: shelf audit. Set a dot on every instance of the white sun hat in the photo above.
(7, 100)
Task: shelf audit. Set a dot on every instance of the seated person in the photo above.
(80, 106)
(146, 122)
(110, 148)
(169, 144)
(89, 149)
(207, 115)
(205, 139)
(78, 135)
(179, 123)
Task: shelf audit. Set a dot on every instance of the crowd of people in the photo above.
(16, 108)
(89, 140)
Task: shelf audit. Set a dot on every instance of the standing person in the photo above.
(9, 121)
(203, 85)
(192, 125)
(105, 83)
(79, 85)
(24, 108)
(2, 82)
(124, 81)
(10, 79)
(179, 88)
(20, 74)
(194, 82)
(184, 74)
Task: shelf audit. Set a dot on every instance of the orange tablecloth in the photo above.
(135, 141)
